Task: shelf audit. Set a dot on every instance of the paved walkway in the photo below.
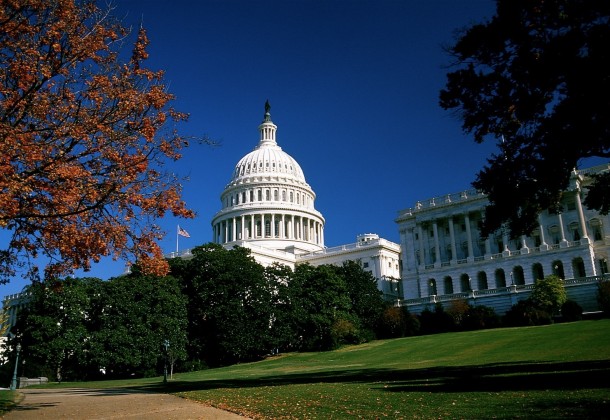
(98, 404)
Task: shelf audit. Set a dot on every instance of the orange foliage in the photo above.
(80, 140)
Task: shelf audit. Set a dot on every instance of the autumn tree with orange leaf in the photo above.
(84, 136)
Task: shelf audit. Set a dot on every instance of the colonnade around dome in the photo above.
(272, 225)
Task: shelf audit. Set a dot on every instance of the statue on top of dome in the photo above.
(267, 109)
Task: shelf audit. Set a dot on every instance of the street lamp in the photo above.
(14, 381)
(166, 347)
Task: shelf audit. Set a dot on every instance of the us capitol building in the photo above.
(269, 208)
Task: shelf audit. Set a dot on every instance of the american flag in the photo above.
(183, 232)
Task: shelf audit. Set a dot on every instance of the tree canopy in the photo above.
(83, 140)
(535, 79)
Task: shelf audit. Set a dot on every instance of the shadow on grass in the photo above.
(521, 376)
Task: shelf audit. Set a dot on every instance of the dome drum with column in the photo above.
(268, 202)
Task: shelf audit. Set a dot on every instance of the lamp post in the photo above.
(14, 380)
(165, 347)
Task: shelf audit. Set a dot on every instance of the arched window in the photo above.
(260, 195)
(251, 195)
(275, 194)
(448, 283)
(431, 287)
(267, 195)
(578, 266)
(500, 278)
(291, 197)
(284, 195)
(557, 267)
(518, 276)
(482, 280)
(465, 283)
(537, 272)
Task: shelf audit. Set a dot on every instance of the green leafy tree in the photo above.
(283, 334)
(535, 76)
(549, 294)
(366, 299)
(229, 307)
(139, 313)
(320, 299)
(55, 328)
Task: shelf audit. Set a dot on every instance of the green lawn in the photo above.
(554, 371)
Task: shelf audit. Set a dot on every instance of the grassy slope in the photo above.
(552, 371)
(538, 372)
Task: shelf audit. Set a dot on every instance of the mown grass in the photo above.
(8, 399)
(554, 371)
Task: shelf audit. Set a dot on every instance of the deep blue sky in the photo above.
(353, 87)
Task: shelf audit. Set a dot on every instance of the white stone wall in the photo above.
(443, 252)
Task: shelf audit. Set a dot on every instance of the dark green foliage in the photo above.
(283, 335)
(397, 322)
(139, 314)
(437, 321)
(603, 296)
(571, 311)
(74, 328)
(480, 317)
(229, 305)
(524, 313)
(366, 299)
(533, 79)
(320, 298)
(55, 329)
(549, 294)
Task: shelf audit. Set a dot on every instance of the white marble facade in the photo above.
(443, 252)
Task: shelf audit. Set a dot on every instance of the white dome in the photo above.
(268, 160)
(268, 203)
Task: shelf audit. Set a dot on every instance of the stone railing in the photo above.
(506, 254)
(25, 382)
(350, 247)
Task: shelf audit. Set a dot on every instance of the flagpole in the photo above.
(177, 230)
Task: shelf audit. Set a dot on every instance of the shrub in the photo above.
(571, 311)
(436, 322)
(344, 331)
(458, 309)
(525, 313)
(548, 294)
(397, 322)
(480, 317)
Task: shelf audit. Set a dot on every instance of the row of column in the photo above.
(259, 226)
(258, 195)
(505, 239)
